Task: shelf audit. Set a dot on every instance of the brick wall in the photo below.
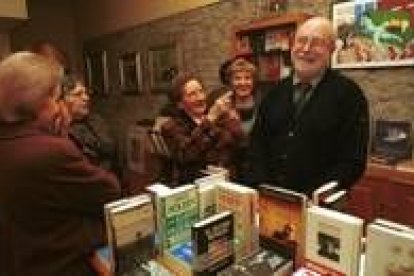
(204, 36)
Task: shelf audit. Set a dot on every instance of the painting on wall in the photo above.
(373, 33)
(130, 74)
(164, 63)
(97, 72)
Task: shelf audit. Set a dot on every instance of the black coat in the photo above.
(327, 141)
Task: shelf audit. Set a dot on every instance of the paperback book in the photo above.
(130, 230)
(243, 203)
(282, 216)
(212, 244)
(389, 249)
(333, 242)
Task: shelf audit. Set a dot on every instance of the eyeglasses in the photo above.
(314, 42)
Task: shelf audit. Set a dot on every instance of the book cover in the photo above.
(207, 193)
(177, 212)
(389, 250)
(323, 191)
(282, 215)
(333, 242)
(243, 203)
(130, 230)
(212, 244)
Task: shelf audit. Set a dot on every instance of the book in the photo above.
(177, 211)
(282, 215)
(333, 242)
(243, 203)
(323, 191)
(212, 244)
(335, 201)
(207, 193)
(130, 231)
(266, 261)
(389, 249)
(303, 271)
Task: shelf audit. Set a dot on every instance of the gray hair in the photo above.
(27, 81)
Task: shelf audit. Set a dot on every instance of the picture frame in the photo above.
(164, 64)
(130, 73)
(373, 33)
(392, 141)
(97, 72)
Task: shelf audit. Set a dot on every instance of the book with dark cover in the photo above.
(212, 243)
(268, 261)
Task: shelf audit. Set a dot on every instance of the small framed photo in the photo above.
(392, 141)
(97, 72)
(130, 73)
(164, 63)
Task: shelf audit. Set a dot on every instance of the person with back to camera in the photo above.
(51, 196)
(193, 135)
(313, 127)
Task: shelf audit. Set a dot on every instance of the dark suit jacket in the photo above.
(51, 203)
(326, 141)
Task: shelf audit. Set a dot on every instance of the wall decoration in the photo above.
(164, 64)
(97, 72)
(373, 33)
(392, 141)
(130, 74)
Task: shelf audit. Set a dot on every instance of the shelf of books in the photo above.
(215, 227)
(267, 42)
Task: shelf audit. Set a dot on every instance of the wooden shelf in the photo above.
(281, 20)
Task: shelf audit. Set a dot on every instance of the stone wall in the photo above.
(205, 38)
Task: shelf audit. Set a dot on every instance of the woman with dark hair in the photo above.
(194, 136)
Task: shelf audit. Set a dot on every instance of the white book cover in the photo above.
(243, 202)
(333, 241)
(389, 250)
(323, 191)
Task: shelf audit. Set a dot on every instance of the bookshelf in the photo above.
(267, 42)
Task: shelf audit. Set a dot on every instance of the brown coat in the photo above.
(51, 202)
(193, 146)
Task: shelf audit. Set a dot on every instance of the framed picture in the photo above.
(392, 141)
(130, 73)
(373, 33)
(164, 63)
(97, 72)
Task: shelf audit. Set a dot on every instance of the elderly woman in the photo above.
(51, 196)
(88, 130)
(243, 98)
(193, 136)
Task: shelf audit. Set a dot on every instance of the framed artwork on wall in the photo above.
(164, 63)
(130, 74)
(97, 72)
(373, 33)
